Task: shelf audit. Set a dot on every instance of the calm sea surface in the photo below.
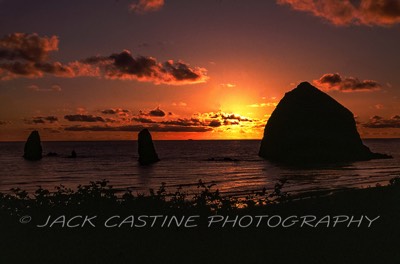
(183, 164)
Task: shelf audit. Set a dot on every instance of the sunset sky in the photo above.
(198, 69)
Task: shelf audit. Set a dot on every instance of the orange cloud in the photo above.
(346, 12)
(144, 6)
(334, 82)
(228, 85)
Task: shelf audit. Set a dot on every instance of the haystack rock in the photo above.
(147, 152)
(309, 126)
(33, 147)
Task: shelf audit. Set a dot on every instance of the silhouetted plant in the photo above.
(395, 181)
(279, 195)
(99, 196)
(179, 199)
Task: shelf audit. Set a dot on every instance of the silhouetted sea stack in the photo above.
(33, 147)
(309, 126)
(73, 154)
(147, 152)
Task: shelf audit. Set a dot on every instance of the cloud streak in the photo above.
(380, 122)
(347, 12)
(143, 120)
(84, 118)
(115, 111)
(184, 122)
(42, 120)
(137, 128)
(335, 82)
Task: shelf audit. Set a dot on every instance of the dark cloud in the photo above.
(42, 120)
(334, 82)
(144, 6)
(126, 64)
(105, 128)
(115, 111)
(230, 123)
(184, 122)
(227, 116)
(84, 118)
(26, 55)
(109, 112)
(180, 71)
(28, 47)
(38, 121)
(2, 123)
(235, 117)
(12, 70)
(380, 122)
(137, 128)
(181, 129)
(155, 113)
(123, 66)
(143, 120)
(51, 119)
(215, 123)
(346, 12)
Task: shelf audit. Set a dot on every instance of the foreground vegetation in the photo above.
(100, 195)
(24, 242)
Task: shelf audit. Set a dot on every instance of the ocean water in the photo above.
(183, 163)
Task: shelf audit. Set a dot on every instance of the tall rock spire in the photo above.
(147, 152)
(33, 147)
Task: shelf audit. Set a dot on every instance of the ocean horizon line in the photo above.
(122, 140)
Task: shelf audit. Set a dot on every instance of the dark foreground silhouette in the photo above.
(33, 147)
(309, 126)
(26, 243)
(147, 152)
